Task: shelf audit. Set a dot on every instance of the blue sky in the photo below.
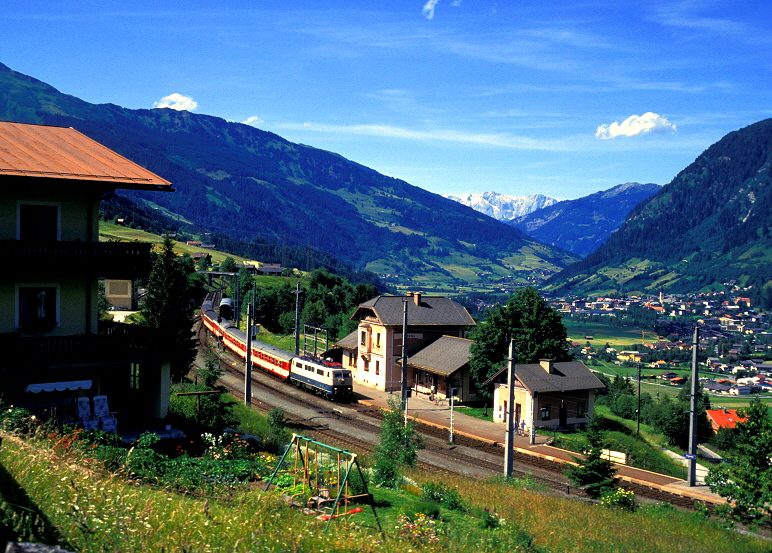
(519, 97)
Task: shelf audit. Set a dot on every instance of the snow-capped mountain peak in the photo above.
(501, 206)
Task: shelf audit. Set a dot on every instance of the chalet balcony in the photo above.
(95, 259)
(114, 343)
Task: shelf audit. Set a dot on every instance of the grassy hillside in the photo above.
(111, 231)
(87, 509)
(255, 186)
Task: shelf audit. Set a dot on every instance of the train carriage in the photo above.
(320, 376)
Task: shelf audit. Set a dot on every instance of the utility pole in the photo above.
(237, 293)
(692, 455)
(638, 411)
(297, 319)
(248, 363)
(452, 393)
(254, 310)
(403, 387)
(509, 451)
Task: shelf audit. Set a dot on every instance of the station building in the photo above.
(438, 353)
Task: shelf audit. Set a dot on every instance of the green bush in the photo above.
(18, 419)
(358, 482)
(619, 499)
(489, 520)
(443, 494)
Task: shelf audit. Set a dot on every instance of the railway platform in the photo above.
(439, 415)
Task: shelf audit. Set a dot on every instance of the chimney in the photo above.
(546, 364)
(417, 298)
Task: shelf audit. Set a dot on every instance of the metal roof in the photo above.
(566, 376)
(349, 341)
(444, 356)
(64, 153)
(433, 310)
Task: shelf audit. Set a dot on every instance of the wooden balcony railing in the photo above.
(113, 342)
(103, 259)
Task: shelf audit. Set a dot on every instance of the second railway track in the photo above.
(356, 428)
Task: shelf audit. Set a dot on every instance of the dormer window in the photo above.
(38, 222)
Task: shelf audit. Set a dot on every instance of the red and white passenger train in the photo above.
(322, 377)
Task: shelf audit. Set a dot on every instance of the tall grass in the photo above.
(90, 510)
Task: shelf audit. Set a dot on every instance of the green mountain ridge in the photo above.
(580, 226)
(253, 185)
(710, 228)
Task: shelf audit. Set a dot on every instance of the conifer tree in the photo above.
(593, 473)
(167, 308)
(398, 445)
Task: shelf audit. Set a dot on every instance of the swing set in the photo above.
(324, 473)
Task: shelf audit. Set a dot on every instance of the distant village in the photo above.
(734, 338)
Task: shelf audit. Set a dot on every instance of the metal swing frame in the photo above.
(308, 454)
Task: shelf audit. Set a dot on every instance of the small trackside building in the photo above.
(55, 350)
(547, 394)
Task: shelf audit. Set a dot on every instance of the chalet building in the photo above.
(54, 348)
(121, 293)
(274, 269)
(547, 394)
(635, 356)
(374, 350)
(723, 418)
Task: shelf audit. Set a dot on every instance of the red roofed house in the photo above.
(55, 350)
(723, 418)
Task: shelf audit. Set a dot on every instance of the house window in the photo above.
(363, 342)
(545, 413)
(37, 308)
(38, 222)
(377, 367)
(366, 364)
(134, 376)
(378, 340)
(581, 409)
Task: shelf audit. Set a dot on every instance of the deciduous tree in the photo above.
(536, 328)
(746, 480)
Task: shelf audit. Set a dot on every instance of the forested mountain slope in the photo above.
(250, 184)
(710, 226)
(580, 226)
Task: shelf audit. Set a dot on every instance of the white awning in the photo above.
(58, 386)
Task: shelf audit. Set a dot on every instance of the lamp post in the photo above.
(452, 393)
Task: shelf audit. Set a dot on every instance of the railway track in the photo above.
(355, 428)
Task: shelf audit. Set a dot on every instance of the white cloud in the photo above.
(177, 101)
(436, 136)
(428, 10)
(635, 125)
(254, 120)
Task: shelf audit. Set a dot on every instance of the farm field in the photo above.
(619, 338)
(111, 231)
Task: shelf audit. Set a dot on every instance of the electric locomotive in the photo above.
(320, 376)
